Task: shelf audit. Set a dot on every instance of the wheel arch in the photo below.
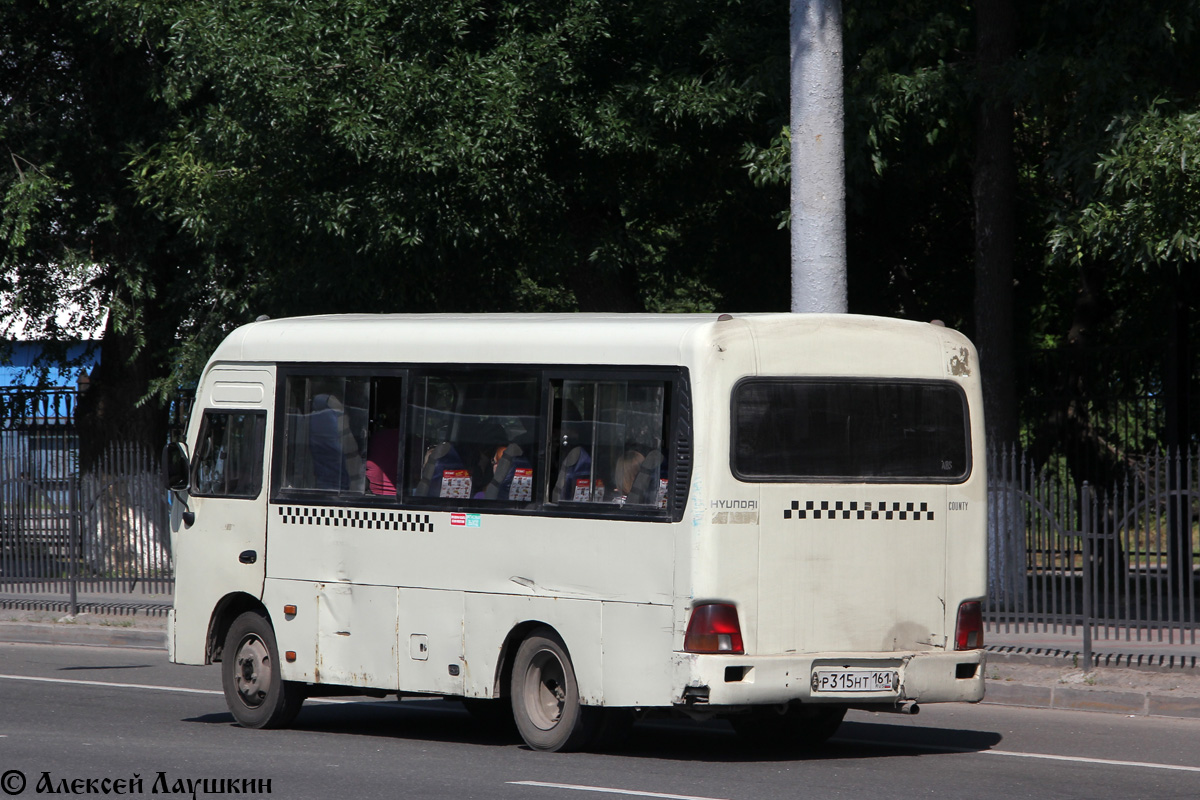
(230, 607)
(508, 653)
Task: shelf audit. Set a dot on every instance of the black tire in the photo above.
(256, 694)
(806, 726)
(545, 696)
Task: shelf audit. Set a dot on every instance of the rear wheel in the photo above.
(807, 726)
(255, 691)
(545, 696)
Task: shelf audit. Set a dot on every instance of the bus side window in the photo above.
(229, 454)
(326, 433)
(502, 434)
(473, 435)
(435, 468)
(611, 445)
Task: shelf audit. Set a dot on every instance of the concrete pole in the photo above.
(818, 158)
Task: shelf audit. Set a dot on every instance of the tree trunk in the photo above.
(994, 190)
(109, 411)
(1177, 381)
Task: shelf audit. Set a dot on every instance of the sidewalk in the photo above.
(1147, 677)
(1126, 647)
(109, 619)
(1032, 669)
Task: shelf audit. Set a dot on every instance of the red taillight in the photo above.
(968, 632)
(714, 628)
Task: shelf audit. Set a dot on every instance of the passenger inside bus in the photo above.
(382, 457)
(484, 438)
(624, 475)
(334, 449)
(572, 435)
(648, 486)
(512, 475)
(443, 474)
(383, 448)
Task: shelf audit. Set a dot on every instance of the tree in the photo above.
(994, 191)
(200, 164)
(472, 155)
(77, 99)
(1112, 83)
(206, 163)
(909, 140)
(1061, 90)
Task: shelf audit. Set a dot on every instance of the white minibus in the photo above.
(583, 518)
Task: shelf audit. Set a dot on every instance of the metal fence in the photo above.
(63, 531)
(1115, 562)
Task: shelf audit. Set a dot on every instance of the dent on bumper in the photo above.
(731, 680)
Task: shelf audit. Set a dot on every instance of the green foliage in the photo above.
(1144, 212)
(357, 155)
(907, 86)
(269, 157)
(908, 156)
(77, 99)
(400, 129)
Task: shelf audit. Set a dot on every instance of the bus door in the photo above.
(224, 549)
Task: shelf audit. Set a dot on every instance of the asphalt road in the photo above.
(70, 714)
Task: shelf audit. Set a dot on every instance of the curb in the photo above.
(1015, 654)
(119, 609)
(83, 635)
(1063, 698)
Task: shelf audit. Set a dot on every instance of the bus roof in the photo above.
(575, 338)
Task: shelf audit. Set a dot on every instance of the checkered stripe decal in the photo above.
(837, 509)
(348, 518)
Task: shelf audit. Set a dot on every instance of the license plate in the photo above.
(855, 680)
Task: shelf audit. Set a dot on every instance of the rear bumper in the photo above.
(731, 680)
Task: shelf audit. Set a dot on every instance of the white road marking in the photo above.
(1014, 754)
(1008, 753)
(608, 790)
(177, 689)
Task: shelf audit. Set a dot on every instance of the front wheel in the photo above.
(255, 691)
(545, 696)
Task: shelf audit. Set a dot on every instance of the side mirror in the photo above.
(175, 467)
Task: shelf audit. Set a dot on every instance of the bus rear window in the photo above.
(849, 430)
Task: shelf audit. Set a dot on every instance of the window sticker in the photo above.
(456, 483)
(584, 492)
(522, 485)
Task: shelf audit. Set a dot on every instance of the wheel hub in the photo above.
(252, 673)
(547, 693)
